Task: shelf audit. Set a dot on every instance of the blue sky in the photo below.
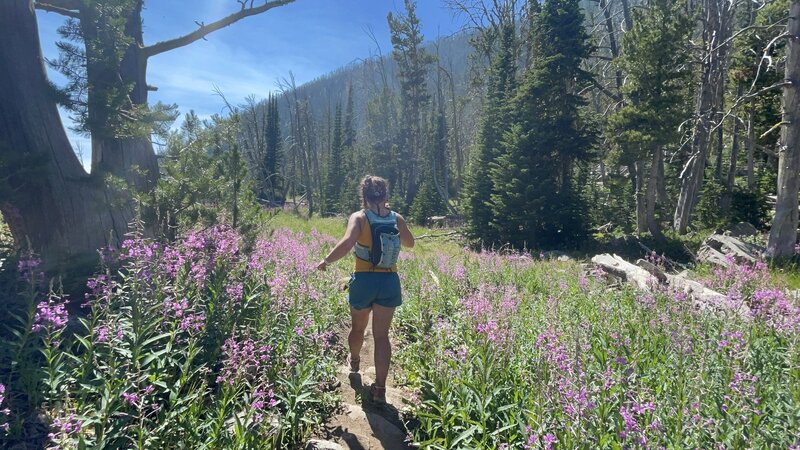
(307, 37)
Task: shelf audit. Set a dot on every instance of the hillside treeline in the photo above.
(561, 119)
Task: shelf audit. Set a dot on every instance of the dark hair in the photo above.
(373, 190)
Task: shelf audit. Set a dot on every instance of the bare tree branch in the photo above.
(204, 30)
(65, 8)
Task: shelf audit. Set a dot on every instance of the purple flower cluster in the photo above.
(65, 427)
(51, 315)
(243, 360)
(488, 307)
(139, 249)
(568, 381)
(5, 412)
(263, 400)
(286, 249)
(776, 309)
(235, 292)
(739, 280)
(548, 440)
(193, 322)
(131, 398)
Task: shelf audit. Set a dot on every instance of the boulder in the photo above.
(318, 444)
(741, 229)
(718, 247)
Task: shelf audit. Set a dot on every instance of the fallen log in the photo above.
(651, 278)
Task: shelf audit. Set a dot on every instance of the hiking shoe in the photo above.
(378, 394)
(354, 364)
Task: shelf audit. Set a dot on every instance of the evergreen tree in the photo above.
(274, 154)
(335, 175)
(412, 65)
(655, 56)
(494, 122)
(534, 202)
(352, 164)
(428, 201)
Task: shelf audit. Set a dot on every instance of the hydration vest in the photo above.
(385, 248)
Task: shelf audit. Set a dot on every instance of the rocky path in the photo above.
(361, 423)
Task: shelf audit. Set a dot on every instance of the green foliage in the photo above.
(535, 351)
(750, 206)
(334, 178)
(534, 201)
(192, 345)
(426, 203)
(494, 122)
(708, 212)
(204, 181)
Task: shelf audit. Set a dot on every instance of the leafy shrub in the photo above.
(749, 206)
(203, 182)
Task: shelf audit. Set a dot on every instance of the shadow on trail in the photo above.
(383, 418)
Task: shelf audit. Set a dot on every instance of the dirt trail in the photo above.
(362, 424)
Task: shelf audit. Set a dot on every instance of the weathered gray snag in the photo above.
(783, 235)
(48, 199)
(717, 22)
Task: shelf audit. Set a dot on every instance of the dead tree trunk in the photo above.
(48, 199)
(750, 143)
(717, 25)
(130, 158)
(783, 235)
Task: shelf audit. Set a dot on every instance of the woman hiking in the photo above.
(375, 234)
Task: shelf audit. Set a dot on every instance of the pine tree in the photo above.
(352, 164)
(428, 201)
(412, 65)
(534, 202)
(494, 122)
(273, 157)
(335, 175)
(655, 53)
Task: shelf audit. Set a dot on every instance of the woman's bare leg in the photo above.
(381, 319)
(355, 339)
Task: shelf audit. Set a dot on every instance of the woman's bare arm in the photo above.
(406, 238)
(345, 244)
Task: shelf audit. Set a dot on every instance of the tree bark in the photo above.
(131, 158)
(783, 235)
(717, 27)
(730, 178)
(750, 143)
(48, 199)
(652, 184)
(641, 198)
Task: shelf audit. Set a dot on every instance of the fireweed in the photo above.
(190, 345)
(512, 352)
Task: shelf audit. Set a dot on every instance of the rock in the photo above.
(317, 444)
(741, 229)
(717, 248)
